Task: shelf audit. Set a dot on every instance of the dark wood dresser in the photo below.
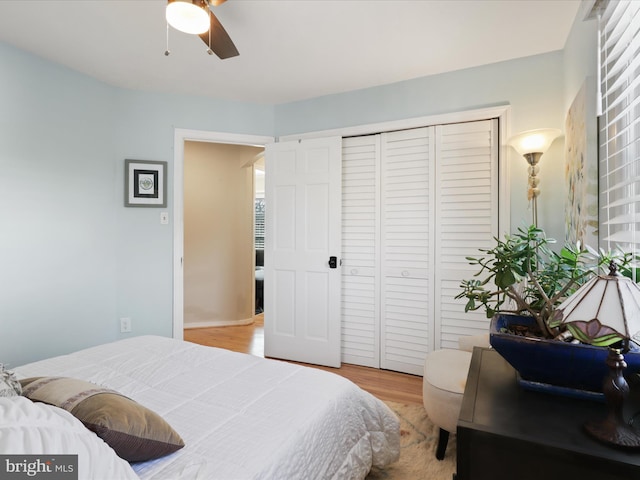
(508, 433)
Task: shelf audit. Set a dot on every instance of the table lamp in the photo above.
(605, 312)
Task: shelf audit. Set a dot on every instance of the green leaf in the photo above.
(505, 279)
(527, 255)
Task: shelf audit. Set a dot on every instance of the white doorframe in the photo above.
(179, 137)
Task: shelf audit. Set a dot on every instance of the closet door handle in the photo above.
(333, 262)
(405, 273)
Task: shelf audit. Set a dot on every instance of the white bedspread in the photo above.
(241, 417)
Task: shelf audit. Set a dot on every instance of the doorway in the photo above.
(218, 234)
(181, 137)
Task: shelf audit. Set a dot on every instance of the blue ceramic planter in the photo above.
(553, 366)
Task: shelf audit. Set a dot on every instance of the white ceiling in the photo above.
(289, 49)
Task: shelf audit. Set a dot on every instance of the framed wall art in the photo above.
(581, 167)
(145, 183)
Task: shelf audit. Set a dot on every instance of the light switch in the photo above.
(164, 218)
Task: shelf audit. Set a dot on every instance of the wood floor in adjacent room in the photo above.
(384, 384)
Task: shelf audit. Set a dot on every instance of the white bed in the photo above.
(240, 416)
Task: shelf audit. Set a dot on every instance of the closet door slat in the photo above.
(407, 250)
(360, 251)
(467, 218)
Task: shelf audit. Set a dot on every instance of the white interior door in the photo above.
(302, 233)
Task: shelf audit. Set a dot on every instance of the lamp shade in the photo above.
(534, 141)
(187, 16)
(605, 310)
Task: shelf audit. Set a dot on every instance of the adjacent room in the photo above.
(347, 239)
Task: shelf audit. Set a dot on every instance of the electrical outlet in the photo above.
(125, 325)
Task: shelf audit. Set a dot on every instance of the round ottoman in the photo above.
(445, 376)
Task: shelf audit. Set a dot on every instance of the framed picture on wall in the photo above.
(581, 167)
(145, 183)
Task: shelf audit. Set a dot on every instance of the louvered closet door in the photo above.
(406, 248)
(360, 250)
(467, 219)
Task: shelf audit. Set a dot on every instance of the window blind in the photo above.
(259, 223)
(619, 128)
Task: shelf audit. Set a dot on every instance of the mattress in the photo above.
(240, 416)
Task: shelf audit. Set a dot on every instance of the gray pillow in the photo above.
(135, 433)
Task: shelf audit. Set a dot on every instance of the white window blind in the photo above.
(259, 223)
(619, 139)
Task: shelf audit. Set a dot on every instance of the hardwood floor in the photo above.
(384, 384)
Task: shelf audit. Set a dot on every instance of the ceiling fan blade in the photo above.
(215, 3)
(221, 43)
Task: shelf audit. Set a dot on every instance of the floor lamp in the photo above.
(532, 144)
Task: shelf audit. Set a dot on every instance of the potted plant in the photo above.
(520, 282)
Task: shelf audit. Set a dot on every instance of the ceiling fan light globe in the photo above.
(187, 17)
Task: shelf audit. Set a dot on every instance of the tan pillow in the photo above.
(135, 433)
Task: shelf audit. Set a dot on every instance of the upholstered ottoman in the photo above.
(445, 376)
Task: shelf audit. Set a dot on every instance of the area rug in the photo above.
(418, 441)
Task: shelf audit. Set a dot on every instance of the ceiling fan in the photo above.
(197, 17)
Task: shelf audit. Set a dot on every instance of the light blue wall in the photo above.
(532, 86)
(57, 216)
(144, 131)
(73, 259)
